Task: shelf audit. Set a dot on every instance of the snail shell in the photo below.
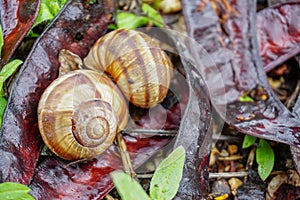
(80, 113)
(136, 63)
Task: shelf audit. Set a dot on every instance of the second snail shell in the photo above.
(136, 63)
(80, 114)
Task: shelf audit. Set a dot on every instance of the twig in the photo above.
(127, 164)
(224, 137)
(211, 175)
(141, 176)
(108, 197)
(152, 132)
(227, 174)
(234, 157)
(292, 99)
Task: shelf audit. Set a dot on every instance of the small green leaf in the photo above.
(91, 1)
(130, 20)
(43, 152)
(248, 141)
(10, 190)
(1, 39)
(166, 178)
(48, 10)
(9, 69)
(153, 15)
(128, 188)
(246, 99)
(112, 26)
(3, 103)
(264, 158)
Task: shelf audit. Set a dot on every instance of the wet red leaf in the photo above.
(91, 180)
(17, 17)
(20, 141)
(230, 41)
(278, 32)
(243, 74)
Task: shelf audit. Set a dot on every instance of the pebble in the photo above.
(224, 153)
(213, 156)
(220, 187)
(170, 6)
(232, 149)
(234, 183)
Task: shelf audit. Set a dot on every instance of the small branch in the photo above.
(227, 174)
(108, 197)
(127, 164)
(234, 157)
(152, 132)
(290, 102)
(141, 176)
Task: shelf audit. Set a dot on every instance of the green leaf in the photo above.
(153, 15)
(10, 68)
(246, 99)
(3, 103)
(10, 190)
(128, 188)
(112, 26)
(130, 20)
(91, 1)
(1, 39)
(265, 159)
(166, 178)
(43, 152)
(248, 141)
(48, 10)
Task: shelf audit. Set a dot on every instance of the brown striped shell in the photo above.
(136, 63)
(80, 113)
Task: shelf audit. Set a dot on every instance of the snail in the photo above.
(136, 63)
(80, 112)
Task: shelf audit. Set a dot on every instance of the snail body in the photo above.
(136, 63)
(80, 114)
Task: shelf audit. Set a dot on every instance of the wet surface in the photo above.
(20, 141)
(278, 33)
(17, 17)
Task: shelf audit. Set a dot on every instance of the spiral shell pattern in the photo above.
(80, 113)
(136, 63)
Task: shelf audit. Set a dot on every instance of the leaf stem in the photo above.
(127, 164)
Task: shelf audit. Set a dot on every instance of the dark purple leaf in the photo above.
(242, 74)
(232, 46)
(295, 150)
(194, 136)
(17, 17)
(278, 32)
(20, 141)
(296, 157)
(279, 38)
